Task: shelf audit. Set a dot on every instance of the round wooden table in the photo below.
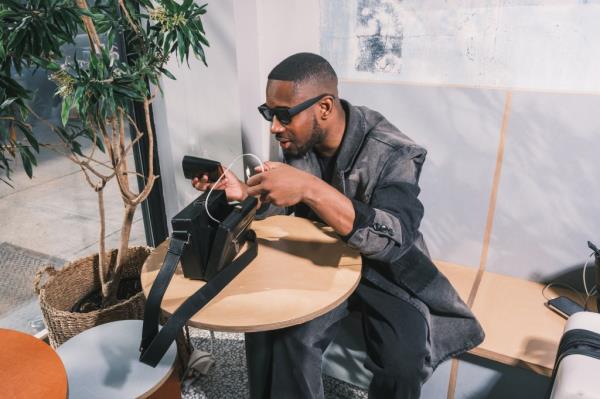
(29, 368)
(302, 271)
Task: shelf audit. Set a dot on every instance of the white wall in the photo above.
(267, 32)
(199, 113)
(210, 112)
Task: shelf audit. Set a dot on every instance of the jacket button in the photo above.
(377, 226)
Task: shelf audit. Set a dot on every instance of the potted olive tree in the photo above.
(100, 90)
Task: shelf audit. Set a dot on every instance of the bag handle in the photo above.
(37, 279)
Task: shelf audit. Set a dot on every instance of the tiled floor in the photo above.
(227, 379)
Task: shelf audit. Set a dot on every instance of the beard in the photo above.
(317, 136)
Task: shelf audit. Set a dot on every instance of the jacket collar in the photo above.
(354, 135)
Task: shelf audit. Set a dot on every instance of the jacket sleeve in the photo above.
(386, 228)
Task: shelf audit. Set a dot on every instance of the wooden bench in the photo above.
(520, 330)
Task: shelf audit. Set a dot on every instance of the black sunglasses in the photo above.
(285, 115)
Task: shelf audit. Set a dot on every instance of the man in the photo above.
(350, 168)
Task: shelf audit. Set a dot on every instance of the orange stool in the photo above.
(29, 368)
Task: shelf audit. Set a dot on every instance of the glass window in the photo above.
(52, 218)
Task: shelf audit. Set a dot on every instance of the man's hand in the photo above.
(235, 190)
(281, 185)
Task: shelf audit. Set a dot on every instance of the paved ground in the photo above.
(54, 215)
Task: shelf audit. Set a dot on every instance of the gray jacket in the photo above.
(378, 168)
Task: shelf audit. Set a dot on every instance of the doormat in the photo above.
(17, 269)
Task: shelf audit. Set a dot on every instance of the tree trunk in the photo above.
(115, 276)
(103, 265)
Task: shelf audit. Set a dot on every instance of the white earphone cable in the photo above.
(260, 162)
(583, 274)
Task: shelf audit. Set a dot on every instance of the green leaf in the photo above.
(7, 102)
(26, 162)
(99, 142)
(186, 4)
(180, 46)
(31, 156)
(167, 73)
(28, 134)
(76, 148)
(46, 64)
(66, 108)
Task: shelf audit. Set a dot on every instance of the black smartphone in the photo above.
(564, 306)
(194, 166)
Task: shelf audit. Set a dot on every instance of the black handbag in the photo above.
(207, 249)
(212, 244)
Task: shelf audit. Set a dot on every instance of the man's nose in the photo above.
(276, 126)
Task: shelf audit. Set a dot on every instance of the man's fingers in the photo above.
(222, 185)
(265, 167)
(268, 165)
(274, 165)
(229, 175)
(255, 180)
(201, 183)
(253, 191)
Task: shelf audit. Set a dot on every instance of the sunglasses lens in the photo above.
(266, 112)
(283, 116)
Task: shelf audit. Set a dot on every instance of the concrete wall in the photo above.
(465, 93)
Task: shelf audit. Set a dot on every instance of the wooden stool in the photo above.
(29, 368)
(102, 362)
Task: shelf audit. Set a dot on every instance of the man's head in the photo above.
(302, 103)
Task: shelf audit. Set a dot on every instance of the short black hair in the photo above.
(302, 67)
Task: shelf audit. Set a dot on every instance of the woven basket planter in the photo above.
(65, 287)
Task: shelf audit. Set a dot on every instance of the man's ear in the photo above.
(326, 106)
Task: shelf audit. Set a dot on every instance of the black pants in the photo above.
(286, 363)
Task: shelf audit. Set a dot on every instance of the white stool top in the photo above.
(102, 362)
(584, 320)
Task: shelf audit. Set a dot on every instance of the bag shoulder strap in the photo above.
(155, 344)
(158, 289)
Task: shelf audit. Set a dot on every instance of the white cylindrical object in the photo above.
(577, 375)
